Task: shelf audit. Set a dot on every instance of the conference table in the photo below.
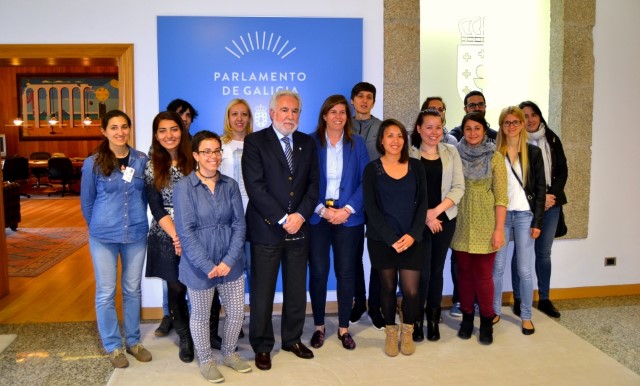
(43, 165)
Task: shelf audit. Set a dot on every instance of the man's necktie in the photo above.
(288, 152)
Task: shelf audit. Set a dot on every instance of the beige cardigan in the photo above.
(452, 177)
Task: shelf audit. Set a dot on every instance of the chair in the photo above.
(61, 169)
(39, 171)
(11, 202)
(16, 169)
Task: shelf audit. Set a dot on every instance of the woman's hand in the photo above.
(497, 239)
(434, 225)
(340, 216)
(219, 270)
(403, 243)
(549, 202)
(176, 245)
(535, 233)
(432, 214)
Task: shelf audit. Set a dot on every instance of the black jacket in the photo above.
(535, 186)
(559, 170)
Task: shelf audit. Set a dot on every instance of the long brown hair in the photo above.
(160, 156)
(321, 129)
(105, 158)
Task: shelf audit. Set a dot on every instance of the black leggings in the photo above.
(409, 283)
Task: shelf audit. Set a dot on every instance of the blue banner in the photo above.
(209, 61)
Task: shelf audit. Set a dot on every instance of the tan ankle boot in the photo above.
(391, 343)
(406, 340)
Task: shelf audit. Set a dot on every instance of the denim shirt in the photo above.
(115, 210)
(211, 228)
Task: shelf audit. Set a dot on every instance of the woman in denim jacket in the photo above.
(114, 205)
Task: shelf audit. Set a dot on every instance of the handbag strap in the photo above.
(514, 172)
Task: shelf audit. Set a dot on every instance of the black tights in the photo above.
(176, 296)
(409, 283)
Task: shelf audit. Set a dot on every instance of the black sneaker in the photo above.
(376, 318)
(356, 313)
(547, 307)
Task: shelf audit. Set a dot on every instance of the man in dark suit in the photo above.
(280, 171)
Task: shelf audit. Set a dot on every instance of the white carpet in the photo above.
(5, 341)
(553, 355)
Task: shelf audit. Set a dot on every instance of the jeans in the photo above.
(543, 255)
(105, 267)
(165, 299)
(517, 223)
(344, 241)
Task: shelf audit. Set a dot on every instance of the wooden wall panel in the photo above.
(9, 110)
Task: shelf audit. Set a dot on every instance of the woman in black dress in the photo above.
(395, 201)
(169, 161)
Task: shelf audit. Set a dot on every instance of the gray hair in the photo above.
(281, 93)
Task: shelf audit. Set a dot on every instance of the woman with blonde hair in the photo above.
(525, 212)
(556, 173)
(238, 123)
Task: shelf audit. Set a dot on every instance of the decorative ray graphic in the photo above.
(255, 42)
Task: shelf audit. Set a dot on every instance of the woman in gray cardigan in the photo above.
(445, 187)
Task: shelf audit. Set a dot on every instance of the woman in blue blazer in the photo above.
(338, 221)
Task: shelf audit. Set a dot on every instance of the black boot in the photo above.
(214, 321)
(486, 330)
(466, 326)
(180, 319)
(433, 330)
(418, 331)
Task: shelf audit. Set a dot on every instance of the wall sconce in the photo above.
(18, 121)
(53, 120)
(87, 121)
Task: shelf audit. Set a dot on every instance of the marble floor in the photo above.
(594, 343)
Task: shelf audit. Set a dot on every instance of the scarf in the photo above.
(539, 139)
(476, 160)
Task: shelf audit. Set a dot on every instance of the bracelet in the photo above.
(322, 211)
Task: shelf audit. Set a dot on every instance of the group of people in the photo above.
(242, 206)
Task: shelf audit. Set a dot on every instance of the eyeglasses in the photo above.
(209, 152)
(510, 123)
(480, 105)
(432, 110)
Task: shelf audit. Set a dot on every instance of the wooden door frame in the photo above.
(123, 56)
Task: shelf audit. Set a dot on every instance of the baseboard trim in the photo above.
(151, 313)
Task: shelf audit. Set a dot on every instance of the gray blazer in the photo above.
(452, 177)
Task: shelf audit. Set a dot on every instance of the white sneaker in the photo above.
(455, 310)
(210, 372)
